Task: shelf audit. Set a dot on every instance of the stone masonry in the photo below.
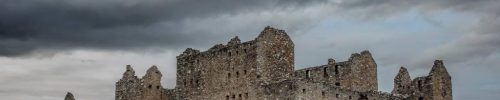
(263, 69)
(147, 88)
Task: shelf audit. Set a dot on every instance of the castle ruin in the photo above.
(263, 69)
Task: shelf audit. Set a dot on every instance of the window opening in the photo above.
(308, 74)
(325, 72)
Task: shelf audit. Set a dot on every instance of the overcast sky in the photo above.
(50, 47)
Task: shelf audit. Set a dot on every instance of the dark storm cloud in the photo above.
(28, 25)
(56, 25)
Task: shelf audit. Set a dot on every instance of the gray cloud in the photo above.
(482, 36)
(30, 25)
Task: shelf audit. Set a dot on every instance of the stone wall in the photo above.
(275, 56)
(359, 73)
(147, 88)
(435, 86)
(129, 86)
(263, 69)
(402, 83)
(306, 89)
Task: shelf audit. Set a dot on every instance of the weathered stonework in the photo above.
(402, 83)
(435, 86)
(263, 69)
(147, 88)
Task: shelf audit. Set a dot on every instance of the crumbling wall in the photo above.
(435, 86)
(308, 90)
(129, 87)
(151, 85)
(402, 83)
(321, 73)
(221, 71)
(359, 73)
(441, 82)
(363, 72)
(275, 56)
(305, 89)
